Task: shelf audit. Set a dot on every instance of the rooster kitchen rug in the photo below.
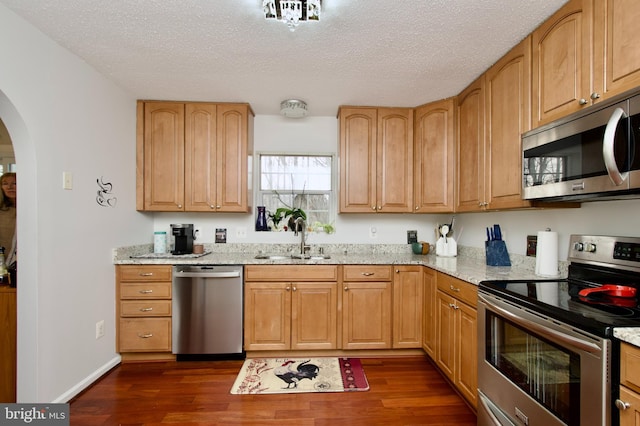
(297, 375)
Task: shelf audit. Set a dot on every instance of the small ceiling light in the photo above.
(293, 108)
(292, 12)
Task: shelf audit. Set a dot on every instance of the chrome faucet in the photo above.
(300, 226)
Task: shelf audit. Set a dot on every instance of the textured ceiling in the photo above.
(362, 52)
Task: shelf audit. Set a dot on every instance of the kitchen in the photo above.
(56, 127)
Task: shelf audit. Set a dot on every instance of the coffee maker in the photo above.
(183, 238)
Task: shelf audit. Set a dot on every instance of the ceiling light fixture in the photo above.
(292, 12)
(293, 108)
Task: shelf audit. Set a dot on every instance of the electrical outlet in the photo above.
(373, 232)
(532, 245)
(67, 180)
(241, 232)
(99, 329)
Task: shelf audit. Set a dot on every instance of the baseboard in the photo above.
(88, 381)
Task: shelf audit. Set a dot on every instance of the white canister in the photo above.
(160, 242)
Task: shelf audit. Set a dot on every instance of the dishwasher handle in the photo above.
(226, 274)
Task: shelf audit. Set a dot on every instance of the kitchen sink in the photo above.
(292, 256)
(273, 256)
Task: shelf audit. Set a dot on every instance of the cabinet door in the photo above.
(314, 313)
(429, 311)
(630, 416)
(617, 46)
(163, 156)
(407, 307)
(366, 317)
(445, 335)
(508, 115)
(200, 157)
(267, 313)
(232, 161)
(358, 144)
(562, 58)
(470, 111)
(467, 352)
(395, 160)
(434, 155)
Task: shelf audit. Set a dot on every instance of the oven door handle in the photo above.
(542, 330)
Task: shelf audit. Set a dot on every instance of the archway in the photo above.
(28, 367)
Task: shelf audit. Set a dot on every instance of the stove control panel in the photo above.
(627, 251)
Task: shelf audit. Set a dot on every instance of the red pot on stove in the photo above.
(610, 290)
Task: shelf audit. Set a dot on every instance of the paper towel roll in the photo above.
(547, 254)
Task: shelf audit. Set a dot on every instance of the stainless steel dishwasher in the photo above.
(207, 311)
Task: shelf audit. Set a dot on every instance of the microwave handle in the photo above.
(608, 147)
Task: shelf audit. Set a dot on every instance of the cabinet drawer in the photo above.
(366, 273)
(145, 334)
(630, 366)
(144, 273)
(150, 290)
(461, 290)
(145, 308)
(290, 273)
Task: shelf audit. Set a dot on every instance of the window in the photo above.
(298, 181)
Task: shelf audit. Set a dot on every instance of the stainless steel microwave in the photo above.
(590, 155)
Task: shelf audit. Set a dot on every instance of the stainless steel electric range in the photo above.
(546, 349)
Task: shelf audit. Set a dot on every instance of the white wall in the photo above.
(64, 116)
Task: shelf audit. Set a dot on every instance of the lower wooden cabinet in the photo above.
(299, 314)
(366, 307)
(456, 344)
(429, 311)
(629, 401)
(407, 306)
(143, 309)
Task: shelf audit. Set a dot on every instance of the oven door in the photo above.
(534, 371)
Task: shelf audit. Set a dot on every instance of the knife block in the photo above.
(496, 253)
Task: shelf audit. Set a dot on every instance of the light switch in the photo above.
(67, 180)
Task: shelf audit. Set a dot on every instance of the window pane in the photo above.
(295, 173)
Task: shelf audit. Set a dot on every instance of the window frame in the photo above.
(333, 193)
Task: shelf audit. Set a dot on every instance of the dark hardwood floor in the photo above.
(403, 391)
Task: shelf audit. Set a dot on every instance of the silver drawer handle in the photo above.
(146, 309)
(146, 291)
(622, 405)
(368, 274)
(454, 288)
(146, 274)
(145, 336)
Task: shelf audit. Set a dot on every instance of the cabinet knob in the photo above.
(417, 207)
(583, 101)
(373, 207)
(146, 291)
(456, 289)
(368, 274)
(622, 405)
(346, 288)
(211, 206)
(179, 206)
(595, 95)
(379, 208)
(146, 309)
(146, 274)
(145, 336)
(218, 206)
(288, 288)
(397, 271)
(295, 288)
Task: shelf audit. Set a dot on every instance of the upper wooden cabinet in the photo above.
(470, 149)
(562, 62)
(376, 160)
(587, 51)
(616, 46)
(434, 156)
(193, 156)
(493, 112)
(508, 115)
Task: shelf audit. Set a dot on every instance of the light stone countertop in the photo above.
(469, 265)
